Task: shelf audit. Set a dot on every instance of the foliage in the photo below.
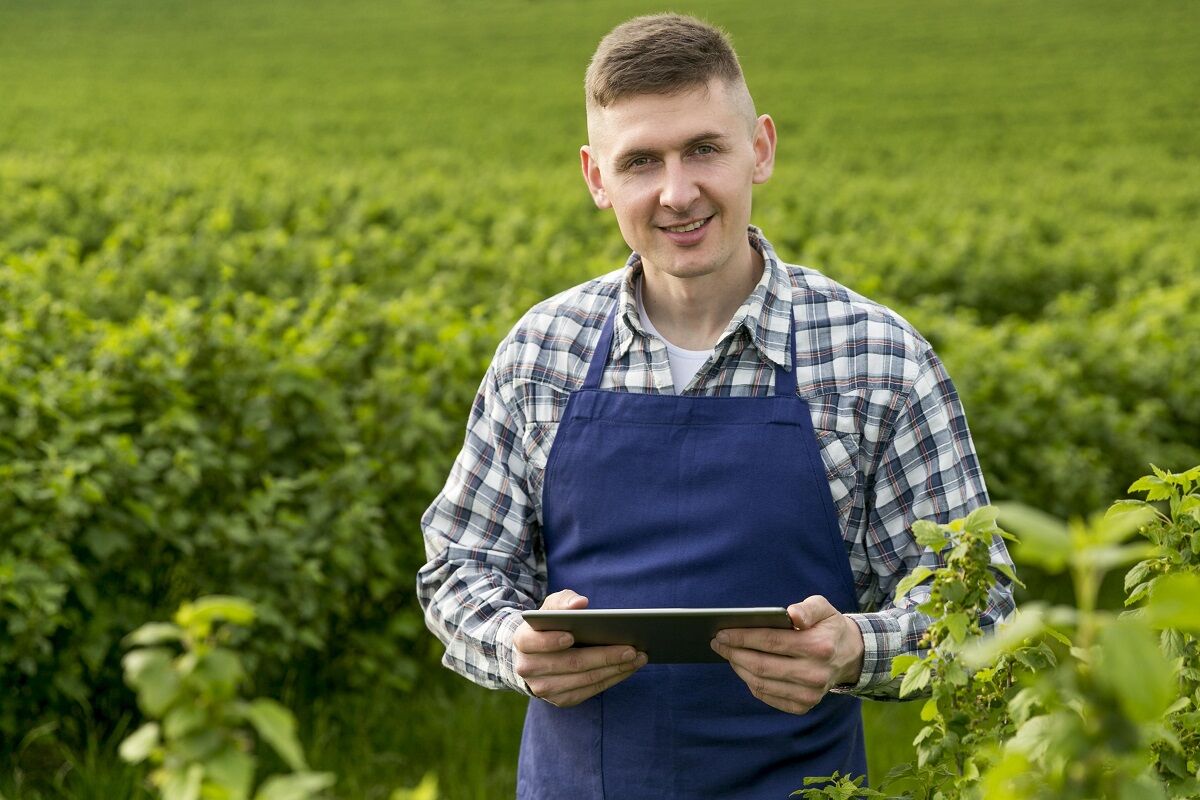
(1170, 578)
(198, 739)
(278, 449)
(1066, 701)
(966, 709)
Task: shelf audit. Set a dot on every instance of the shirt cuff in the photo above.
(882, 641)
(510, 620)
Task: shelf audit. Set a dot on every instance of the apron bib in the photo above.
(688, 502)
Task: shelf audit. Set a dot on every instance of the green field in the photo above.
(313, 221)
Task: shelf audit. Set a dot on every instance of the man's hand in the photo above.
(792, 670)
(565, 675)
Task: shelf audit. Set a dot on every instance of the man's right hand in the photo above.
(564, 675)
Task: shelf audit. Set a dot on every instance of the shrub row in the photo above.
(252, 381)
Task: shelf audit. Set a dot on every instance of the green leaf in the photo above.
(149, 671)
(1038, 735)
(138, 745)
(183, 720)
(956, 625)
(1175, 602)
(1189, 506)
(1124, 507)
(1008, 572)
(198, 745)
(982, 518)
(298, 786)
(1028, 622)
(137, 662)
(276, 725)
(911, 580)
(929, 534)
(1155, 487)
(1106, 558)
(202, 613)
(1143, 787)
(427, 789)
(900, 664)
(184, 785)
(154, 633)
(916, 679)
(1113, 528)
(1138, 593)
(1023, 704)
(1136, 574)
(1133, 667)
(929, 711)
(221, 671)
(233, 771)
(1041, 539)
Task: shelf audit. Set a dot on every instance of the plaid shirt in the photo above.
(888, 421)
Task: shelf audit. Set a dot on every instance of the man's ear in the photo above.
(764, 148)
(591, 176)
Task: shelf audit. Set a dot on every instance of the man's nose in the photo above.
(679, 189)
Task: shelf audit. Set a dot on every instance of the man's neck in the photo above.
(692, 313)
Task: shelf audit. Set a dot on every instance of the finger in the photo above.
(785, 696)
(584, 684)
(575, 660)
(527, 640)
(565, 599)
(768, 640)
(810, 611)
(780, 670)
(577, 696)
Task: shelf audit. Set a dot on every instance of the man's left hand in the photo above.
(792, 670)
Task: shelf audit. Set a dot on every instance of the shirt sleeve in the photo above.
(482, 570)
(928, 470)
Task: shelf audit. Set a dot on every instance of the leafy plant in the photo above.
(1064, 701)
(1170, 578)
(966, 709)
(199, 739)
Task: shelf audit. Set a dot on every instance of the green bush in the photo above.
(1066, 409)
(282, 449)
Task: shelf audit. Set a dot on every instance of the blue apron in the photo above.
(688, 501)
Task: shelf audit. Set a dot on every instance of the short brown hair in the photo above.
(658, 54)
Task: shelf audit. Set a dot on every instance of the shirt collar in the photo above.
(766, 314)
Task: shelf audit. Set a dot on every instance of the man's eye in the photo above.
(705, 150)
(640, 161)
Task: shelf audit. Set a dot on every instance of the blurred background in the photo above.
(255, 257)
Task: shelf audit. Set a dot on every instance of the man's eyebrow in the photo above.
(625, 156)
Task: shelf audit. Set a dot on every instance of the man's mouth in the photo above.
(685, 228)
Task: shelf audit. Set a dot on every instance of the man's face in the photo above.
(678, 171)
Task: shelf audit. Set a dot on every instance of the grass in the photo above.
(467, 736)
(499, 83)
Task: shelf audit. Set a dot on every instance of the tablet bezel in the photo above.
(666, 635)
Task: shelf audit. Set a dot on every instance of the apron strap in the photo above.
(785, 380)
(600, 356)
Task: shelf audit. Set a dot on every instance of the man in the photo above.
(707, 427)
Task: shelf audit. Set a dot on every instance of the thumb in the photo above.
(810, 611)
(564, 600)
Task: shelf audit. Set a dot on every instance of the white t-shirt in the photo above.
(684, 363)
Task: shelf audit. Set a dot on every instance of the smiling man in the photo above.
(708, 426)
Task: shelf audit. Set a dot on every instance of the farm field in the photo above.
(255, 256)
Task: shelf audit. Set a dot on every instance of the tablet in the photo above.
(665, 635)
